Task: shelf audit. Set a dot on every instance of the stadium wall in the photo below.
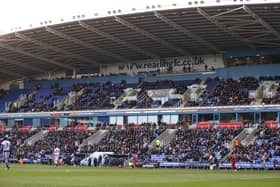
(51, 76)
(250, 52)
(229, 72)
(70, 82)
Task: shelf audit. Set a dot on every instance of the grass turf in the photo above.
(47, 176)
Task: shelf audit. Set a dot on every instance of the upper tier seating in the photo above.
(168, 93)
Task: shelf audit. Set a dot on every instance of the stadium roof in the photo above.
(120, 38)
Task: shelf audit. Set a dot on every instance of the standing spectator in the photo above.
(236, 143)
(206, 67)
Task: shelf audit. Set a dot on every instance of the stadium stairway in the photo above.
(267, 89)
(165, 138)
(129, 94)
(250, 138)
(193, 126)
(95, 138)
(119, 100)
(242, 135)
(70, 99)
(193, 93)
(246, 137)
(186, 98)
(36, 137)
(259, 94)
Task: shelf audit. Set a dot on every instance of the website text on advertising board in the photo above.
(162, 63)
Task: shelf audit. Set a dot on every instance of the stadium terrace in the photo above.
(185, 87)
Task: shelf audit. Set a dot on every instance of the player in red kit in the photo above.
(233, 161)
(134, 161)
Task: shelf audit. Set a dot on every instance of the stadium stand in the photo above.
(18, 136)
(148, 92)
(199, 145)
(68, 141)
(134, 139)
(265, 149)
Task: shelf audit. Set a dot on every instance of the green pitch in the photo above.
(66, 176)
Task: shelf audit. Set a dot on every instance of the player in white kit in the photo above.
(6, 148)
(56, 154)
